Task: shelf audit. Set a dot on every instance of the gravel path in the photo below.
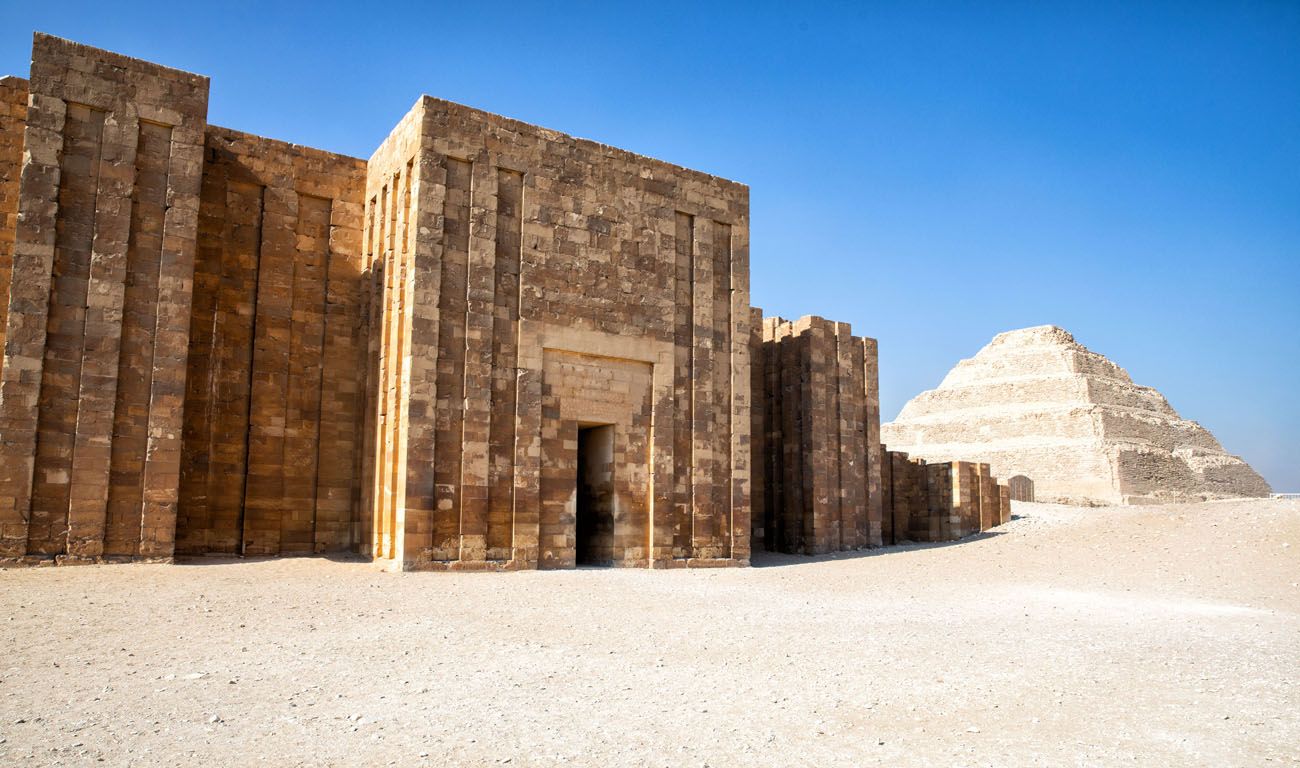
(1134, 636)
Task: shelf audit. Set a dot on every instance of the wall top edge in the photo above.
(302, 149)
(47, 44)
(437, 104)
(43, 40)
(807, 322)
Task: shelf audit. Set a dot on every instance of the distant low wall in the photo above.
(939, 502)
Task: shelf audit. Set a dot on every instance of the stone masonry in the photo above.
(275, 394)
(220, 343)
(940, 501)
(528, 286)
(96, 333)
(1021, 488)
(488, 346)
(13, 116)
(823, 482)
(816, 437)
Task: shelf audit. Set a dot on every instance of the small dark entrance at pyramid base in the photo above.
(594, 518)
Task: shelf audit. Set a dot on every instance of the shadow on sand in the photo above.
(759, 559)
(764, 559)
(225, 559)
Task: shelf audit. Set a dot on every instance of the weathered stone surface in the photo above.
(1021, 488)
(13, 118)
(1035, 402)
(276, 385)
(942, 501)
(528, 285)
(99, 303)
(816, 409)
(401, 356)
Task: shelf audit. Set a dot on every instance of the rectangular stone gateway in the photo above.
(488, 346)
(525, 284)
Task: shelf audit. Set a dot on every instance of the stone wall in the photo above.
(401, 385)
(942, 501)
(275, 392)
(1021, 488)
(97, 331)
(13, 118)
(816, 437)
(393, 356)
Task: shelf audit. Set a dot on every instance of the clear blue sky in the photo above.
(931, 173)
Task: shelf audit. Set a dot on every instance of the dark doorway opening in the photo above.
(595, 514)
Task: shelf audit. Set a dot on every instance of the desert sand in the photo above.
(1116, 636)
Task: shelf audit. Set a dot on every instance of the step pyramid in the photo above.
(1035, 402)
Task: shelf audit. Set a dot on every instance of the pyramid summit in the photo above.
(1036, 402)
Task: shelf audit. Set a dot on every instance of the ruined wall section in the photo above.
(97, 331)
(941, 501)
(819, 418)
(1021, 488)
(533, 247)
(276, 374)
(13, 120)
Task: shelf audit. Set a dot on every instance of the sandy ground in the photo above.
(1120, 636)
